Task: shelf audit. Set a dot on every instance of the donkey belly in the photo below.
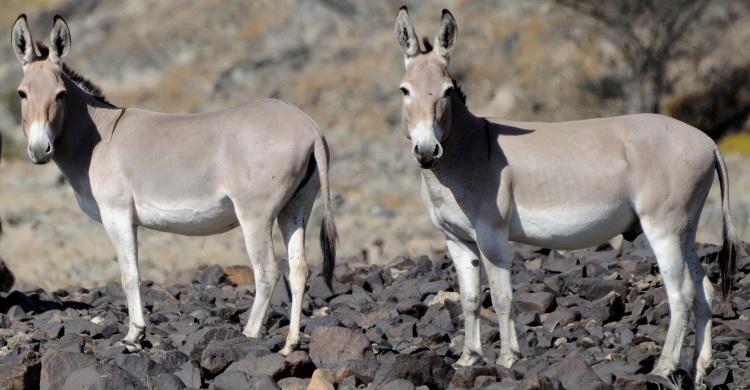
(570, 227)
(190, 217)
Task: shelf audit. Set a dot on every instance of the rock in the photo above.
(218, 355)
(264, 382)
(189, 374)
(167, 381)
(535, 381)
(57, 364)
(398, 384)
(102, 376)
(141, 367)
(575, 373)
(292, 383)
(322, 380)
(538, 302)
(298, 364)
(197, 342)
(465, 377)
(232, 380)
(271, 365)
(331, 346)
(423, 369)
(557, 263)
(20, 370)
(239, 274)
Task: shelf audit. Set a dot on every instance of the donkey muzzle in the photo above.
(40, 145)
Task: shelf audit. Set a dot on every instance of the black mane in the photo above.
(90, 88)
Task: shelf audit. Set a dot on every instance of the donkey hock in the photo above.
(487, 181)
(188, 174)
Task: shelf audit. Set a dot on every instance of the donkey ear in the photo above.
(20, 38)
(59, 40)
(446, 36)
(405, 34)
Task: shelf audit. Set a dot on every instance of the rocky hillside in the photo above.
(338, 61)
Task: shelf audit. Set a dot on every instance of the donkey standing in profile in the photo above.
(571, 185)
(188, 174)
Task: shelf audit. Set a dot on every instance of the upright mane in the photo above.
(84, 83)
(456, 87)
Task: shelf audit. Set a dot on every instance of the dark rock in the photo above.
(465, 377)
(263, 382)
(398, 384)
(575, 373)
(232, 380)
(102, 376)
(361, 301)
(298, 364)
(218, 355)
(718, 377)
(197, 342)
(557, 263)
(292, 383)
(331, 346)
(140, 367)
(167, 381)
(57, 364)
(538, 302)
(190, 375)
(271, 364)
(422, 369)
(535, 381)
(20, 370)
(212, 276)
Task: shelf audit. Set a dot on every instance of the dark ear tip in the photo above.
(58, 18)
(21, 16)
(403, 8)
(446, 12)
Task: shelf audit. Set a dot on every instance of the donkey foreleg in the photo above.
(465, 257)
(122, 233)
(495, 251)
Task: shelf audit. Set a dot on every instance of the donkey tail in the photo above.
(329, 236)
(730, 248)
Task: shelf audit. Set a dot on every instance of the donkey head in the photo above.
(42, 89)
(427, 88)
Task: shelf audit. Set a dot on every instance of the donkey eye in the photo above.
(22, 94)
(60, 95)
(405, 91)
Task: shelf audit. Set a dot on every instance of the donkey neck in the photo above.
(467, 142)
(87, 121)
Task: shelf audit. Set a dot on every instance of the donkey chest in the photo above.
(446, 213)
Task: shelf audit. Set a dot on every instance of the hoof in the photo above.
(507, 361)
(131, 346)
(466, 360)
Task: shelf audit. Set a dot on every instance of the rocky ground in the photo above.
(586, 320)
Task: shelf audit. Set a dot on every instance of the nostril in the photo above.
(437, 150)
(416, 149)
(49, 149)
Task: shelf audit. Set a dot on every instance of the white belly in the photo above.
(190, 217)
(566, 228)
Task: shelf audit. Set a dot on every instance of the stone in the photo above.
(422, 369)
(575, 373)
(232, 380)
(141, 367)
(293, 383)
(20, 370)
(538, 302)
(331, 346)
(398, 384)
(322, 380)
(298, 364)
(197, 342)
(218, 355)
(57, 364)
(102, 376)
(465, 377)
(271, 365)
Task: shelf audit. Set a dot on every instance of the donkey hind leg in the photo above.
(466, 258)
(259, 245)
(123, 235)
(495, 251)
(293, 220)
(702, 310)
(670, 255)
